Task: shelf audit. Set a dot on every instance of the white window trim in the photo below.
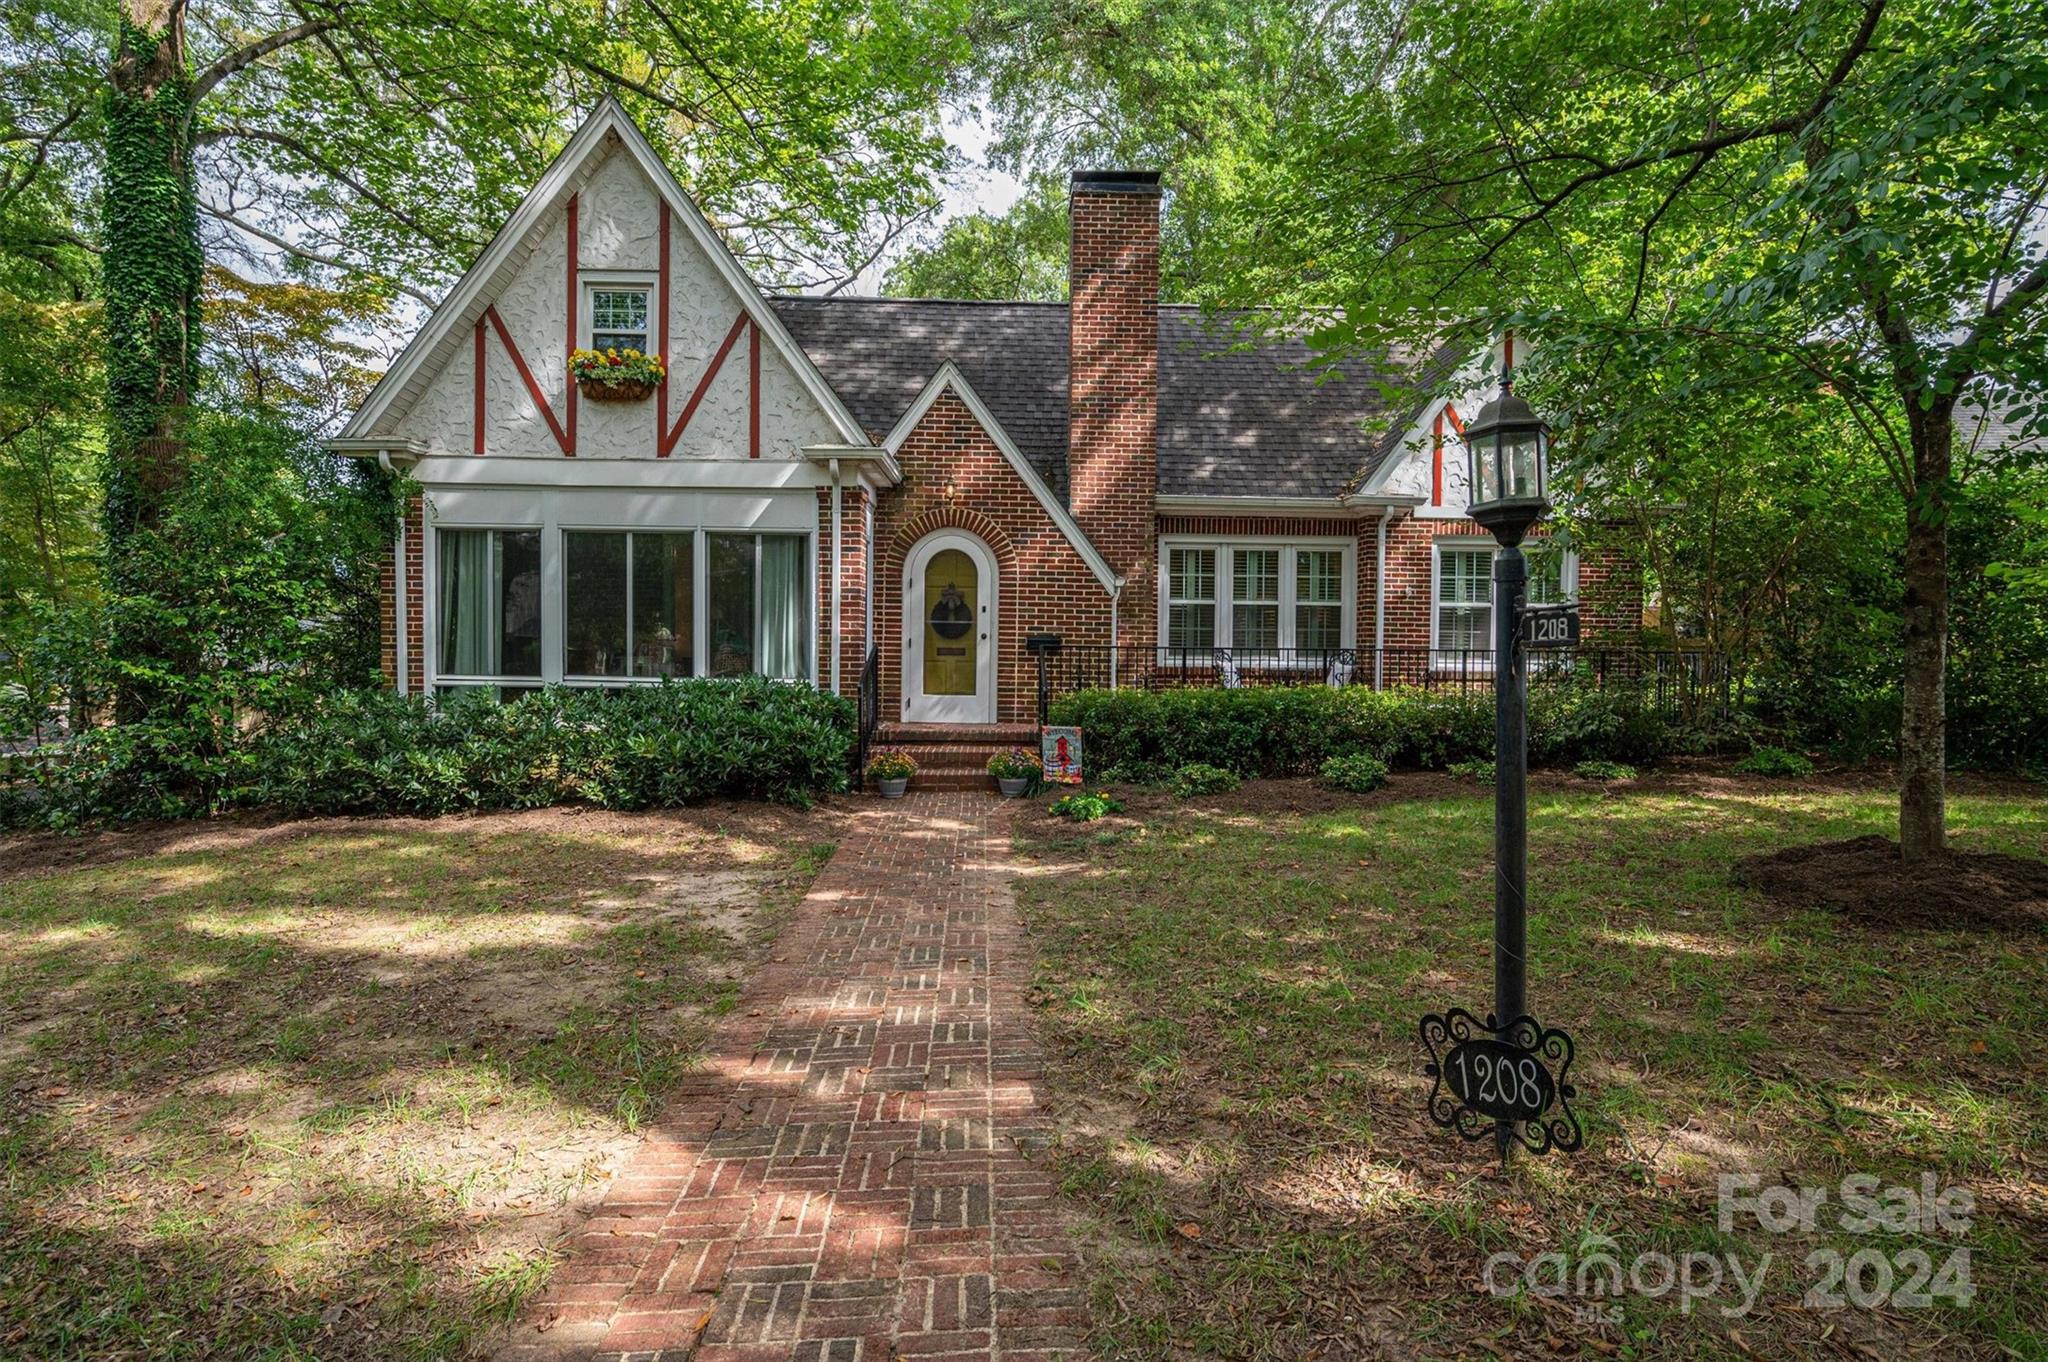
(593, 282)
(1347, 633)
(1567, 584)
(697, 625)
(554, 606)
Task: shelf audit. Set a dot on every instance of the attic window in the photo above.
(618, 319)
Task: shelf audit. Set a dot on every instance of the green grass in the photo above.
(335, 1089)
(1233, 992)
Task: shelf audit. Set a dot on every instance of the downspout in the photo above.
(402, 656)
(1379, 608)
(1116, 592)
(835, 576)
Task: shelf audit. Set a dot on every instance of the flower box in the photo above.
(616, 375)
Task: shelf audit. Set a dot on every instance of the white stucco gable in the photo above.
(1413, 470)
(606, 214)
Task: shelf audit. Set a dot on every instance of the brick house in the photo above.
(937, 481)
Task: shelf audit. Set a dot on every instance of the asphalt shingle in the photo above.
(1239, 415)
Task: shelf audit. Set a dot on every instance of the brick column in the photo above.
(415, 600)
(1113, 381)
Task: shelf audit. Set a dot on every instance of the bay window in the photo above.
(619, 606)
(1288, 602)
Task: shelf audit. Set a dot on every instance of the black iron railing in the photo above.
(1669, 680)
(867, 707)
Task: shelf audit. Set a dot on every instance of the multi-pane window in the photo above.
(1283, 603)
(1464, 599)
(1191, 598)
(1318, 598)
(629, 604)
(618, 319)
(1464, 593)
(1255, 599)
(489, 603)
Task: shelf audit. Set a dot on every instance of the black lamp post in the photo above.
(1509, 447)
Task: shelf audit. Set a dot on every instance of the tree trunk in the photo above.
(1923, 737)
(152, 266)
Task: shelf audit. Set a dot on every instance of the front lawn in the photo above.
(1232, 987)
(333, 1089)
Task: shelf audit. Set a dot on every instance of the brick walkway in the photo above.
(852, 1176)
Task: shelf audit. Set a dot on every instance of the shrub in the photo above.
(1287, 731)
(1775, 761)
(1198, 778)
(1359, 772)
(1481, 771)
(1604, 770)
(891, 763)
(1137, 773)
(374, 752)
(1085, 806)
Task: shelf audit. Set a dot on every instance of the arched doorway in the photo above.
(949, 630)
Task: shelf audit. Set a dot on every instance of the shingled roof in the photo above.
(1237, 416)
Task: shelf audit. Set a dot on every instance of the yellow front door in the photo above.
(952, 620)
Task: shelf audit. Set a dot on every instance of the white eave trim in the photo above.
(1220, 505)
(870, 462)
(401, 451)
(949, 376)
(465, 301)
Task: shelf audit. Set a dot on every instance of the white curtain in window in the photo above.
(784, 607)
(469, 605)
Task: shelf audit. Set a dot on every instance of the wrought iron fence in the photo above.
(867, 708)
(1670, 680)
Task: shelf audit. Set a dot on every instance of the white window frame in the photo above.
(1212, 600)
(1480, 660)
(1346, 545)
(594, 282)
(554, 589)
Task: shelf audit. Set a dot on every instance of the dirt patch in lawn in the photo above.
(335, 1087)
(1864, 879)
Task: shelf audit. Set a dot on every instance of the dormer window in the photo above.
(618, 319)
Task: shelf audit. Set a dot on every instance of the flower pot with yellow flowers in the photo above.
(616, 375)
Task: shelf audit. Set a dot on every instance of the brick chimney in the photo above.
(1113, 379)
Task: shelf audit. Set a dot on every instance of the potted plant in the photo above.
(1015, 770)
(891, 769)
(616, 375)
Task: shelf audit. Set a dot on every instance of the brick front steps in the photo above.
(954, 756)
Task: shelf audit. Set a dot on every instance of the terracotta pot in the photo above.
(596, 390)
(893, 789)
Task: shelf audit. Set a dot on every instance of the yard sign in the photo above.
(1060, 749)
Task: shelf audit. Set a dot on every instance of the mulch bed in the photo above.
(1864, 879)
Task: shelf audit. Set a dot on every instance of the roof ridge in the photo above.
(878, 298)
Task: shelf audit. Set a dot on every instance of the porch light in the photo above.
(1509, 448)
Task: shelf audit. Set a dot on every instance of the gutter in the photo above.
(1379, 607)
(400, 625)
(1115, 600)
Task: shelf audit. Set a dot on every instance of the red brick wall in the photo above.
(415, 566)
(954, 477)
(1610, 585)
(1113, 417)
(853, 587)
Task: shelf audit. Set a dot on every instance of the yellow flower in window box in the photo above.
(614, 375)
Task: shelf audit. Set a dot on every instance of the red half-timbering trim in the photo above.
(661, 397)
(1436, 464)
(1456, 424)
(753, 392)
(540, 399)
(668, 442)
(1508, 350)
(569, 342)
(476, 439)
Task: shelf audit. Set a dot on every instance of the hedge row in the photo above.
(374, 752)
(1292, 731)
